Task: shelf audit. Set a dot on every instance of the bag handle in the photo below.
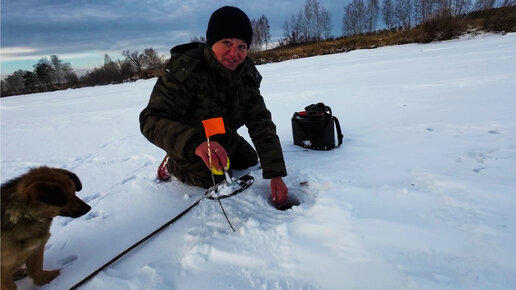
(339, 131)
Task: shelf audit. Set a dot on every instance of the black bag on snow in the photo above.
(315, 127)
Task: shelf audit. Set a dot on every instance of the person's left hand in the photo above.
(219, 156)
(279, 191)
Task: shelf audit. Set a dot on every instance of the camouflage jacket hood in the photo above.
(195, 87)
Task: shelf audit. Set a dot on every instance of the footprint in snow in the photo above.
(64, 221)
(92, 215)
(128, 179)
(90, 198)
(67, 260)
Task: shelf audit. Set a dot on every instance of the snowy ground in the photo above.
(421, 195)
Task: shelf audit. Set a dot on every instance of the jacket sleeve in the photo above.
(263, 134)
(163, 121)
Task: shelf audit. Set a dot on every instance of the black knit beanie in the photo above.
(229, 22)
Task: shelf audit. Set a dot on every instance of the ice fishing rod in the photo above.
(136, 245)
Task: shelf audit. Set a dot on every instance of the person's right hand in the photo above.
(219, 156)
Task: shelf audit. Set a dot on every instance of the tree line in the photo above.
(312, 23)
(361, 16)
(54, 74)
(135, 65)
(48, 75)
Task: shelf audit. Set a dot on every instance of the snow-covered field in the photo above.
(421, 195)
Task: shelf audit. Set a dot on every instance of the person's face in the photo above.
(230, 52)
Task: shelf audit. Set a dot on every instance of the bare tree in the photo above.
(266, 30)
(4, 89)
(311, 12)
(388, 14)
(360, 16)
(324, 23)
(126, 69)
(292, 30)
(373, 9)
(110, 65)
(459, 7)
(424, 10)
(484, 4)
(15, 83)
(198, 39)
(317, 19)
(256, 44)
(45, 73)
(403, 13)
(69, 75)
(312, 23)
(63, 73)
(111, 70)
(304, 25)
(152, 59)
(261, 33)
(57, 65)
(30, 82)
(355, 20)
(135, 59)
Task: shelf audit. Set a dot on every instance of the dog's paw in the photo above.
(45, 277)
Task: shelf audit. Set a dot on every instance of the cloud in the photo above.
(16, 53)
(63, 27)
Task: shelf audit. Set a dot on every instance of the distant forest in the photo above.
(306, 33)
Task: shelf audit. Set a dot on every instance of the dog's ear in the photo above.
(73, 177)
(76, 181)
(50, 194)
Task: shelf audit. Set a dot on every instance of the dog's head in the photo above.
(51, 192)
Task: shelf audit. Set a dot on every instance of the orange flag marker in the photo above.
(214, 126)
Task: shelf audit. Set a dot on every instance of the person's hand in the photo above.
(219, 156)
(279, 191)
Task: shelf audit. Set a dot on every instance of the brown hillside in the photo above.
(500, 20)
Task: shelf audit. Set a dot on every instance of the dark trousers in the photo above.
(241, 155)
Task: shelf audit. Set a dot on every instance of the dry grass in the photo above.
(439, 28)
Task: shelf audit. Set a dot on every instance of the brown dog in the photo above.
(29, 204)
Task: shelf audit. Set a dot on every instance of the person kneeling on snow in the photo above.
(204, 81)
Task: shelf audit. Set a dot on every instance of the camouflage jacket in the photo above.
(195, 87)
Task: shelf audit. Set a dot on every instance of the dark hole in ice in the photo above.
(291, 202)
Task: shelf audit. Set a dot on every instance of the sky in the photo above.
(83, 31)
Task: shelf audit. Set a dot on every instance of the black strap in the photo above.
(135, 245)
(339, 131)
(327, 112)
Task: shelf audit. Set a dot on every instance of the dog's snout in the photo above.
(75, 208)
(82, 211)
(87, 208)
